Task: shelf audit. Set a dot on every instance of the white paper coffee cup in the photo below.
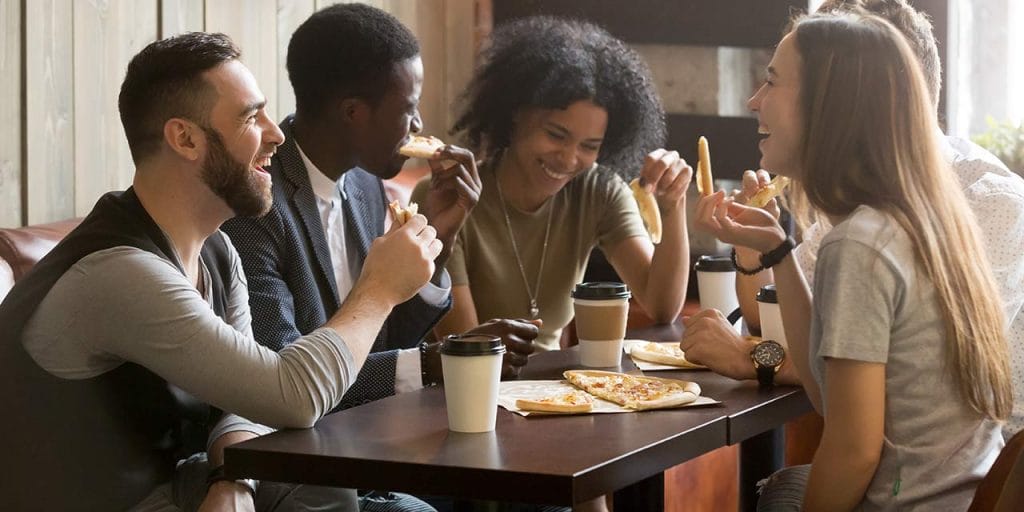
(716, 284)
(602, 310)
(472, 375)
(771, 316)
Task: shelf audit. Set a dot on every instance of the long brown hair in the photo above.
(870, 138)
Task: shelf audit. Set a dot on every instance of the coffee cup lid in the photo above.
(600, 290)
(714, 264)
(472, 345)
(768, 294)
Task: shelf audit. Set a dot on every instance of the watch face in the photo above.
(769, 353)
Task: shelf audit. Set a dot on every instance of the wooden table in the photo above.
(402, 443)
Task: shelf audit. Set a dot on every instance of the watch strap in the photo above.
(765, 375)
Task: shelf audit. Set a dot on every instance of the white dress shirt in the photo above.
(996, 197)
(347, 265)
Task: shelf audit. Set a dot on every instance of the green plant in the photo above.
(1006, 141)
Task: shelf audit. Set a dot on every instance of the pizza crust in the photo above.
(663, 353)
(705, 181)
(402, 215)
(420, 146)
(573, 401)
(634, 391)
(648, 210)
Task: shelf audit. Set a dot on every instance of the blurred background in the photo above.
(62, 62)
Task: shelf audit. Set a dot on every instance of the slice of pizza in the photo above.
(663, 353)
(634, 391)
(769, 191)
(648, 210)
(420, 146)
(573, 401)
(402, 215)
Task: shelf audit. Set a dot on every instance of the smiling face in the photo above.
(549, 147)
(240, 140)
(390, 123)
(777, 105)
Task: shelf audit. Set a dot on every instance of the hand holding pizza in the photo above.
(454, 190)
(666, 175)
(737, 224)
(401, 261)
(753, 183)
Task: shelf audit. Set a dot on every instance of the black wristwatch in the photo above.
(217, 475)
(767, 356)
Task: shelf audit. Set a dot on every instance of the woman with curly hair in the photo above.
(562, 113)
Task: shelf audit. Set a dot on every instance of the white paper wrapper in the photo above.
(513, 390)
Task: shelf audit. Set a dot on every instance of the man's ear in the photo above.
(185, 138)
(354, 111)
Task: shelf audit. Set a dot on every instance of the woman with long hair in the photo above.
(904, 351)
(561, 112)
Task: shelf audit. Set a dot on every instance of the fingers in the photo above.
(705, 212)
(660, 170)
(517, 335)
(425, 234)
(751, 185)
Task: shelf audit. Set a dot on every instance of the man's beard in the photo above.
(233, 181)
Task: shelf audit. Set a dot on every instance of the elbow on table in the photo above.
(290, 416)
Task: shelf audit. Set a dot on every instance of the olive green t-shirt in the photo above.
(595, 208)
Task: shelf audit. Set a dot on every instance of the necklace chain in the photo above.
(535, 292)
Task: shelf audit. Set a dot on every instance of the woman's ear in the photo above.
(184, 138)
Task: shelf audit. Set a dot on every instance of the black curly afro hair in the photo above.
(550, 63)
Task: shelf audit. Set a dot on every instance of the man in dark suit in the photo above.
(357, 75)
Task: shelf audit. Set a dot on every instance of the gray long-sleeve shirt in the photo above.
(124, 304)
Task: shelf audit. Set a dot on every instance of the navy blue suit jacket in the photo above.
(291, 280)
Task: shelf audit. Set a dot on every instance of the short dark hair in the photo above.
(550, 63)
(346, 50)
(913, 24)
(165, 81)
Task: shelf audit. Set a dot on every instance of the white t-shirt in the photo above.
(996, 197)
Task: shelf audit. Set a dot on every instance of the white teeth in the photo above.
(551, 174)
(763, 131)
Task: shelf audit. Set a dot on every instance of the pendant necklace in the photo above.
(533, 293)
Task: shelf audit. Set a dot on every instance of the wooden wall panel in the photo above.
(290, 14)
(11, 135)
(178, 16)
(62, 63)
(49, 111)
(253, 26)
(426, 19)
(461, 28)
(106, 36)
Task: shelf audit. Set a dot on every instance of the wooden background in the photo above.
(62, 63)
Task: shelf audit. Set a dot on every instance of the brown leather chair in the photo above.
(1002, 489)
(22, 248)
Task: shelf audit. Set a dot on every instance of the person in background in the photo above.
(561, 111)
(129, 336)
(994, 194)
(904, 351)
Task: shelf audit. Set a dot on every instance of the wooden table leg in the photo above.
(760, 456)
(647, 495)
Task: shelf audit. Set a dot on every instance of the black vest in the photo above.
(101, 443)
